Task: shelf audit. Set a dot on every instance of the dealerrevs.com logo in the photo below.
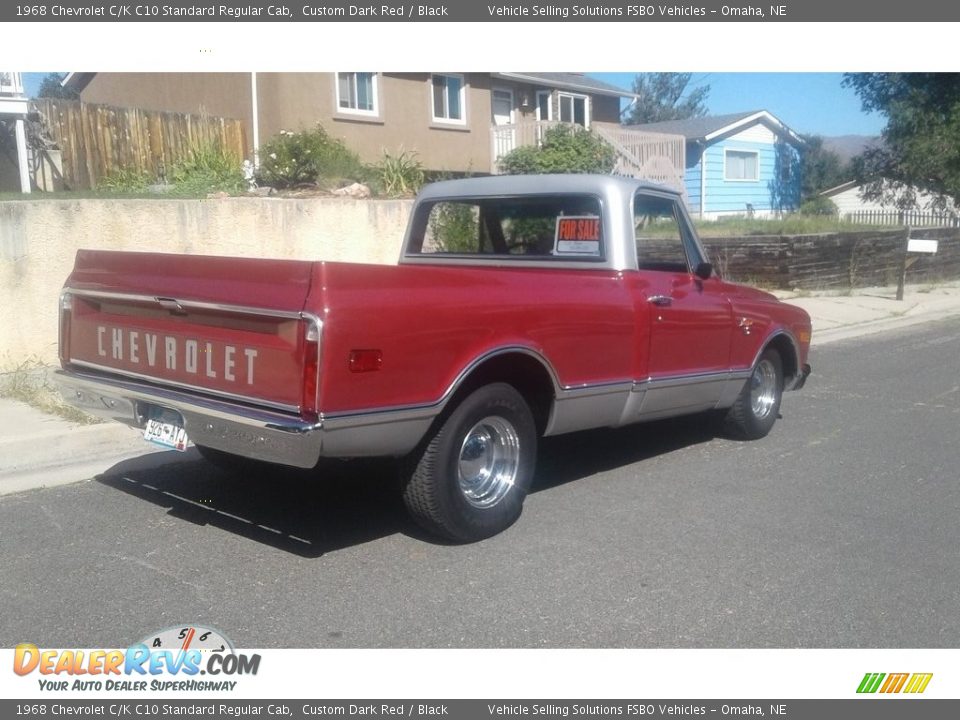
(894, 683)
(171, 659)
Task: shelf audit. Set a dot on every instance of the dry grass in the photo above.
(29, 382)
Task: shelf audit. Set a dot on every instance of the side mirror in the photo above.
(703, 271)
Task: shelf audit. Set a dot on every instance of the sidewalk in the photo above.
(40, 450)
(871, 310)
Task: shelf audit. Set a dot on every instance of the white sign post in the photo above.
(914, 245)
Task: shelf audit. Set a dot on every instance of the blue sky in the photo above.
(810, 103)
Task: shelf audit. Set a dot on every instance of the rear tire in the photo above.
(757, 407)
(469, 481)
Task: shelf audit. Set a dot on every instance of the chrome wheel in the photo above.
(763, 389)
(489, 461)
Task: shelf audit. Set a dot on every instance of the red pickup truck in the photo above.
(521, 307)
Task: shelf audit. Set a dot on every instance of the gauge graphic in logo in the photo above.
(189, 637)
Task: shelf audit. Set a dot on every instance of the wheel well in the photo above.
(525, 373)
(788, 355)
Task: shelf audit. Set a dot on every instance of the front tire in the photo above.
(470, 479)
(757, 407)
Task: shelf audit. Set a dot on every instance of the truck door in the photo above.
(689, 316)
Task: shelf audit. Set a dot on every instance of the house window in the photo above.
(741, 165)
(544, 111)
(574, 109)
(357, 93)
(448, 99)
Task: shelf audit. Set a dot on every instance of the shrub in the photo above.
(400, 175)
(819, 205)
(208, 168)
(125, 180)
(307, 158)
(564, 149)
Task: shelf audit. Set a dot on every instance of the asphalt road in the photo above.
(841, 529)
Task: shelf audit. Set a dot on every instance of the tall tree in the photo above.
(921, 141)
(50, 87)
(820, 168)
(665, 96)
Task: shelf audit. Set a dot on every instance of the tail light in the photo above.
(311, 369)
(66, 312)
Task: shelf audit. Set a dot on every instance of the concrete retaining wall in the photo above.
(38, 241)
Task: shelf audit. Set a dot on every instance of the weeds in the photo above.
(29, 382)
(125, 181)
(206, 168)
(400, 175)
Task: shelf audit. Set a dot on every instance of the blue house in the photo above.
(742, 164)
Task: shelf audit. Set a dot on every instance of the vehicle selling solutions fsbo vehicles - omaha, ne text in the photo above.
(521, 307)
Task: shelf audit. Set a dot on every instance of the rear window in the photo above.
(531, 226)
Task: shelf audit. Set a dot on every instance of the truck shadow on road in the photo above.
(344, 504)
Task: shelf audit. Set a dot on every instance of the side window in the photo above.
(562, 227)
(658, 236)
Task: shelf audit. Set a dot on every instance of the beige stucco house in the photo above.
(455, 121)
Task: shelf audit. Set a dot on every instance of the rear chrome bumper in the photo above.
(249, 432)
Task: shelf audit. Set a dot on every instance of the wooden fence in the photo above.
(97, 141)
(911, 218)
(832, 260)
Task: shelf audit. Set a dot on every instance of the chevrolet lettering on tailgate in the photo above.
(132, 347)
(521, 307)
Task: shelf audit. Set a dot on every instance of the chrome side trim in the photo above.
(376, 434)
(663, 397)
(733, 388)
(588, 407)
(197, 304)
(434, 408)
(186, 386)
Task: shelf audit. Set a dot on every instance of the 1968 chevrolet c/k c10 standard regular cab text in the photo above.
(521, 307)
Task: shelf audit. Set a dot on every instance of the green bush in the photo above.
(564, 149)
(125, 180)
(206, 169)
(819, 205)
(308, 157)
(399, 175)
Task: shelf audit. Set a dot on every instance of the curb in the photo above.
(67, 453)
(855, 330)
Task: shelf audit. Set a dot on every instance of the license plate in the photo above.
(165, 427)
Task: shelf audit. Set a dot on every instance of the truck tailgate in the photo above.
(225, 327)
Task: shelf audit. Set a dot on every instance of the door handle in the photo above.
(660, 300)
